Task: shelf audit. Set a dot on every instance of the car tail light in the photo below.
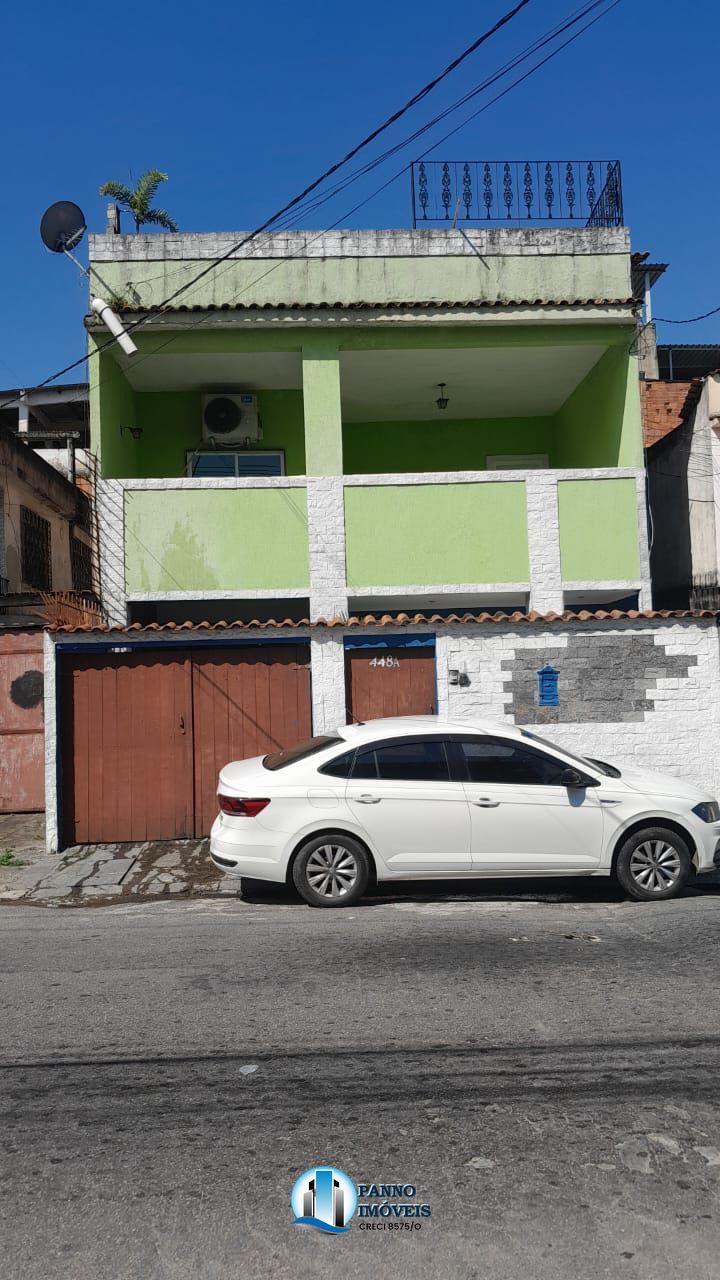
(242, 808)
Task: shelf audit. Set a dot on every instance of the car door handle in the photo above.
(366, 799)
(608, 801)
(484, 802)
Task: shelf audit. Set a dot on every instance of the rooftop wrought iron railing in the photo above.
(534, 192)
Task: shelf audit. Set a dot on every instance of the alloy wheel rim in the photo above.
(655, 865)
(332, 871)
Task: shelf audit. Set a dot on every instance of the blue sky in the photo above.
(243, 104)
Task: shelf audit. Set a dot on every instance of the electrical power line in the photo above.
(350, 155)
(311, 206)
(207, 317)
(535, 47)
(577, 16)
(296, 200)
(691, 320)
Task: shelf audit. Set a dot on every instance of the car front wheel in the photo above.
(331, 871)
(653, 864)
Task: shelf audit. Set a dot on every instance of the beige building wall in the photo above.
(16, 494)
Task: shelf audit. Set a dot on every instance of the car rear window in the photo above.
(281, 759)
(410, 761)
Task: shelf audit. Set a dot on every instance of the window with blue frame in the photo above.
(217, 465)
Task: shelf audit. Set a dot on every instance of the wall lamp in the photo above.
(135, 432)
(442, 401)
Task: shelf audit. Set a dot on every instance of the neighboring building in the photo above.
(45, 551)
(45, 531)
(440, 454)
(681, 417)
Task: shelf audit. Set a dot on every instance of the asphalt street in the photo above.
(544, 1073)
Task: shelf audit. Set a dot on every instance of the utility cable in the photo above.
(691, 320)
(216, 262)
(397, 115)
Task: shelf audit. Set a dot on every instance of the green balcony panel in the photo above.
(598, 530)
(398, 535)
(215, 540)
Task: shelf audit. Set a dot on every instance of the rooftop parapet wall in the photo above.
(353, 267)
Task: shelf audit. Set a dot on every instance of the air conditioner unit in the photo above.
(230, 418)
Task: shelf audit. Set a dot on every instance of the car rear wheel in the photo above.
(653, 864)
(331, 871)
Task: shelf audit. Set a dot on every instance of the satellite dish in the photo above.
(62, 226)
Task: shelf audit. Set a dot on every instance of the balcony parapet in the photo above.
(545, 192)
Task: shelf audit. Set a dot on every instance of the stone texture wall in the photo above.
(643, 693)
(611, 679)
(326, 546)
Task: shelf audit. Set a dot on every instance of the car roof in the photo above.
(400, 726)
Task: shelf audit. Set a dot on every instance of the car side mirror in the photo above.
(573, 778)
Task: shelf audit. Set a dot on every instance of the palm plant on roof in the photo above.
(138, 201)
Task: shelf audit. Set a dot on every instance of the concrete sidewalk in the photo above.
(101, 873)
(96, 875)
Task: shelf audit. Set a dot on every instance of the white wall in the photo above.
(678, 735)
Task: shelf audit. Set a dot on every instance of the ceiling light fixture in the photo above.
(442, 400)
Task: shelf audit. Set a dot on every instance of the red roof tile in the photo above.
(357, 305)
(399, 620)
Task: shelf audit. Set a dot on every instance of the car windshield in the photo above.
(281, 759)
(608, 769)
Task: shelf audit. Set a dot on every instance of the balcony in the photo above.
(543, 539)
(524, 539)
(521, 483)
(214, 538)
(528, 192)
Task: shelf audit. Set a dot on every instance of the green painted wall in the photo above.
(598, 530)
(216, 540)
(171, 423)
(436, 533)
(381, 278)
(599, 425)
(450, 445)
(112, 406)
(323, 413)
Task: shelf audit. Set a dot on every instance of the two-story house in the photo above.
(333, 455)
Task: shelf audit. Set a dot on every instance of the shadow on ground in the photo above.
(533, 889)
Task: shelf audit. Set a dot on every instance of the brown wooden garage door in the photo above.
(246, 702)
(145, 733)
(390, 682)
(22, 732)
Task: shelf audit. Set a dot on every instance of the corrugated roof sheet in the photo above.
(381, 306)
(640, 269)
(398, 620)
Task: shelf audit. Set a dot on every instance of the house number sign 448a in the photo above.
(385, 662)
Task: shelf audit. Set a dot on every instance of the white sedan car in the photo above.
(425, 798)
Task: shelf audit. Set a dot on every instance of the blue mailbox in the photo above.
(548, 686)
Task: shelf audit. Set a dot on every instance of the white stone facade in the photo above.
(543, 526)
(326, 546)
(678, 735)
